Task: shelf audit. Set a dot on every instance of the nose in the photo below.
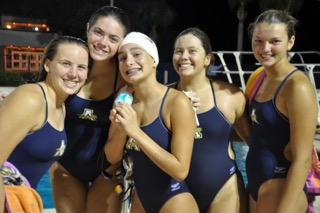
(129, 60)
(184, 54)
(103, 40)
(72, 72)
(266, 46)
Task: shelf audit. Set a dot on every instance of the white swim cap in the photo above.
(144, 41)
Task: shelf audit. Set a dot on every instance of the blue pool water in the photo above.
(44, 187)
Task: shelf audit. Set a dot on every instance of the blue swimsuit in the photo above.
(211, 166)
(34, 155)
(87, 125)
(153, 185)
(269, 136)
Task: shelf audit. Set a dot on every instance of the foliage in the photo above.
(11, 78)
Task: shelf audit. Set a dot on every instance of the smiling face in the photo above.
(68, 70)
(104, 37)
(135, 63)
(189, 57)
(270, 43)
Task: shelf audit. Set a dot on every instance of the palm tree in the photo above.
(293, 6)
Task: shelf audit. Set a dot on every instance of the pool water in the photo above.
(44, 187)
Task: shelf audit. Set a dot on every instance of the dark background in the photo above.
(216, 18)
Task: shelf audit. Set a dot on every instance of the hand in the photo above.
(125, 117)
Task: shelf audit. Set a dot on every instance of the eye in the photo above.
(82, 68)
(114, 39)
(66, 63)
(121, 58)
(276, 41)
(177, 51)
(136, 54)
(98, 31)
(257, 41)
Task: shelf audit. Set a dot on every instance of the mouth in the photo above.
(185, 65)
(98, 50)
(265, 56)
(70, 84)
(132, 71)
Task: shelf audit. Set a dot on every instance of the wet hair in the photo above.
(51, 51)
(114, 12)
(202, 36)
(275, 17)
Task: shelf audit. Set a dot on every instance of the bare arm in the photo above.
(20, 113)
(241, 124)
(302, 110)
(117, 137)
(177, 110)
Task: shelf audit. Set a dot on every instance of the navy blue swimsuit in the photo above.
(211, 166)
(87, 125)
(34, 155)
(269, 136)
(153, 185)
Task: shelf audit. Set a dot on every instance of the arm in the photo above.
(302, 110)
(117, 136)
(177, 110)
(114, 146)
(241, 125)
(15, 122)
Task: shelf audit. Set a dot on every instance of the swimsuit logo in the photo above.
(60, 150)
(131, 144)
(254, 116)
(280, 170)
(88, 114)
(175, 187)
(232, 170)
(198, 133)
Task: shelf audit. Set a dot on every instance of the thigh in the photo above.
(183, 202)
(102, 197)
(252, 205)
(136, 206)
(231, 197)
(69, 194)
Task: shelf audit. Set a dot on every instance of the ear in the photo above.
(207, 60)
(291, 42)
(154, 64)
(47, 65)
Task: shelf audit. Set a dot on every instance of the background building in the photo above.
(22, 41)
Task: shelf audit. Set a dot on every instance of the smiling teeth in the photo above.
(184, 65)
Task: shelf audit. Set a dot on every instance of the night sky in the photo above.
(214, 17)
(221, 24)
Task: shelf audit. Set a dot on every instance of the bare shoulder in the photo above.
(177, 97)
(172, 85)
(299, 81)
(226, 87)
(27, 96)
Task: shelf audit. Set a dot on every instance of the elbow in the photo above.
(181, 175)
(113, 159)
